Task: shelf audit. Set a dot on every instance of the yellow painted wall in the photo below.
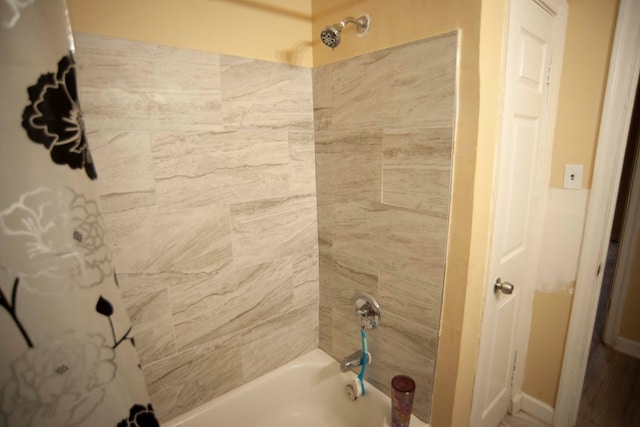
(630, 320)
(546, 344)
(584, 77)
(273, 30)
(590, 29)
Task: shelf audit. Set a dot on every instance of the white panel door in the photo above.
(528, 56)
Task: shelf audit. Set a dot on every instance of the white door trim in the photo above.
(630, 229)
(616, 115)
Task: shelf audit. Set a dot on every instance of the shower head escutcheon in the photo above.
(330, 36)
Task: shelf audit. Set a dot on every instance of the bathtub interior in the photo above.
(308, 391)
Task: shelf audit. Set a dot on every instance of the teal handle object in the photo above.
(365, 359)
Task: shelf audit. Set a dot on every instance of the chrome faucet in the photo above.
(351, 361)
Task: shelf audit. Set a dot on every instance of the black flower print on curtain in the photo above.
(67, 351)
(54, 119)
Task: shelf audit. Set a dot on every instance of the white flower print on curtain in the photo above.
(67, 355)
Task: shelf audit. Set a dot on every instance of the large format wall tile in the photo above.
(274, 228)
(190, 378)
(207, 182)
(231, 302)
(416, 169)
(384, 131)
(405, 86)
(259, 94)
(135, 85)
(294, 331)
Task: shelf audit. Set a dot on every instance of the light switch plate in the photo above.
(572, 177)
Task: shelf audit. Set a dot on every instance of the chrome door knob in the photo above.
(504, 287)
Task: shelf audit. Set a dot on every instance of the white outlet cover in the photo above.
(572, 177)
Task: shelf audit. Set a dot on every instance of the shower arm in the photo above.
(361, 23)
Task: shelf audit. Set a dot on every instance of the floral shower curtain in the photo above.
(67, 356)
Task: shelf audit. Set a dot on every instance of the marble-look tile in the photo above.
(413, 299)
(155, 339)
(279, 340)
(190, 240)
(404, 242)
(171, 176)
(346, 337)
(261, 94)
(273, 228)
(147, 306)
(224, 186)
(325, 222)
(302, 161)
(194, 154)
(349, 164)
(198, 71)
(196, 169)
(416, 169)
(127, 202)
(136, 85)
(322, 99)
(348, 277)
(104, 61)
(230, 302)
(383, 162)
(195, 376)
(325, 332)
(305, 279)
(123, 160)
(129, 236)
(405, 86)
(133, 284)
(410, 336)
(391, 358)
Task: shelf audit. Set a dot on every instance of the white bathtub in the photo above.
(308, 391)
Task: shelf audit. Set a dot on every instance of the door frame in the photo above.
(557, 8)
(624, 68)
(630, 229)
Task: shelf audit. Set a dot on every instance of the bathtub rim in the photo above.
(316, 356)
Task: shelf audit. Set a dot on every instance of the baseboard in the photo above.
(537, 408)
(515, 404)
(628, 347)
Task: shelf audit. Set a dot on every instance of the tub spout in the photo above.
(351, 361)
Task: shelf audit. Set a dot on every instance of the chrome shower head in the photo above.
(330, 36)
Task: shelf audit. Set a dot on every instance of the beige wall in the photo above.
(630, 319)
(590, 28)
(273, 30)
(584, 76)
(546, 344)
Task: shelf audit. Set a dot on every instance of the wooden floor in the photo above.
(611, 392)
(521, 420)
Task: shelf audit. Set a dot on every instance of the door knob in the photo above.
(504, 287)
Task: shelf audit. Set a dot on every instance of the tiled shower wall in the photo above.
(384, 130)
(206, 175)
